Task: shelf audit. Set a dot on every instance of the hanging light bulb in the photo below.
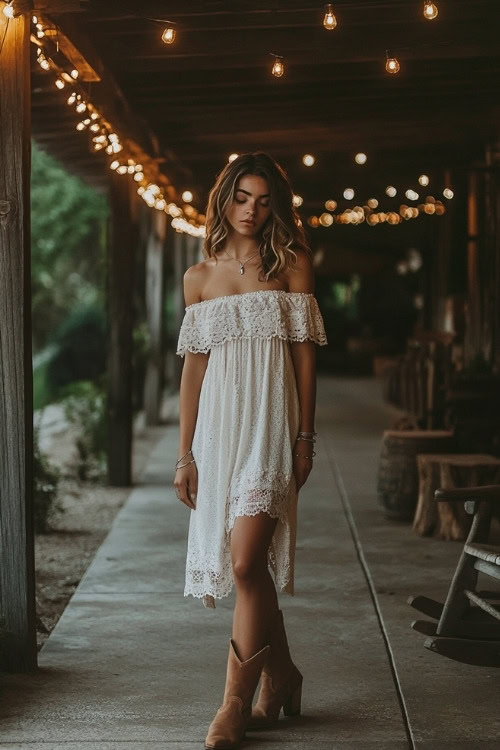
(168, 35)
(360, 158)
(8, 11)
(278, 67)
(308, 160)
(329, 21)
(348, 194)
(430, 10)
(391, 64)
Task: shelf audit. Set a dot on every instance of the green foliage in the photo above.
(42, 394)
(84, 405)
(80, 348)
(46, 478)
(68, 224)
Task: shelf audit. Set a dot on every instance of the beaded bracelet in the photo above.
(297, 455)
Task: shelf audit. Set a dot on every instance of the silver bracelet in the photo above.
(180, 459)
(183, 465)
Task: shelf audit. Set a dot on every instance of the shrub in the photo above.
(46, 478)
(80, 343)
(84, 405)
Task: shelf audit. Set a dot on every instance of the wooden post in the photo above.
(153, 381)
(179, 250)
(17, 572)
(121, 253)
(473, 337)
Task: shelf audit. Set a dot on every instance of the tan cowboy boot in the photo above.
(242, 677)
(281, 685)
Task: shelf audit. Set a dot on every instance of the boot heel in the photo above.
(293, 703)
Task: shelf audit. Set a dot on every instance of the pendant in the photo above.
(242, 270)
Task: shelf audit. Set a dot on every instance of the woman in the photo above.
(247, 404)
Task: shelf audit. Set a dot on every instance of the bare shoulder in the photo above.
(194, 282)
(301, 277)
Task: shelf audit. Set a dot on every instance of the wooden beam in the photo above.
(121, 264)
(17, 571)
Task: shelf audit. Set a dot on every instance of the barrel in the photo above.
(397, 481)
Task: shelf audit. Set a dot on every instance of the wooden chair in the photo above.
(468, 624)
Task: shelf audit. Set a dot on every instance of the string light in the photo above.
(308, 160)
(187, 196)
(297, 200)
(392, 63)
(423, 180)
(329, 21)
(102, 136)
(278, 66)
(448, 193)
(360, 158)
(390, 191)
(430, 10)
(360, 214)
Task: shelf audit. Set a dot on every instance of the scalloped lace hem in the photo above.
(197, 587)
(319, 340)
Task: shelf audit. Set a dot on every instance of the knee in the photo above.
(247, 571)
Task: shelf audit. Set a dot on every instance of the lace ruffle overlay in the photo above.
(247, 423)
(292, 316)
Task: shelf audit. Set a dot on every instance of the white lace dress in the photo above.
(248, 420)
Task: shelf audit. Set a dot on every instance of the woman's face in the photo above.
(250, 204)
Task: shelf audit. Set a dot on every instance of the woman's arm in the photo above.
(304, 362)
(193, 372)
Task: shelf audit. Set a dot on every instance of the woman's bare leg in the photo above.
(256, 599)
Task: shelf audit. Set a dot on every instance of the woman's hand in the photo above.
(186, 485)
(302, 466)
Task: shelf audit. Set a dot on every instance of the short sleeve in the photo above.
(303, 319)
(193, 335)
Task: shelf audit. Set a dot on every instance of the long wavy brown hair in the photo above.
(281, 235)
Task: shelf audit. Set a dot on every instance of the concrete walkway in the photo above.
(133, 665)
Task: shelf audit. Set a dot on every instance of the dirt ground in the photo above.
(63, 555)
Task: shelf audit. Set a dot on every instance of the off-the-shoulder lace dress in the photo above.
(248, 420)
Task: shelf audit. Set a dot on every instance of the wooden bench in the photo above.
(467, 627)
